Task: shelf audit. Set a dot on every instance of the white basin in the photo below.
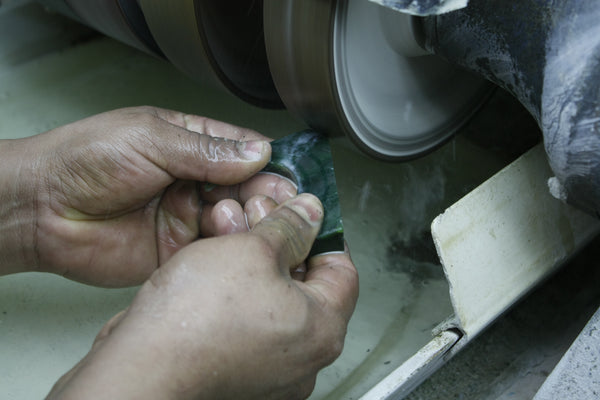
(48, 323)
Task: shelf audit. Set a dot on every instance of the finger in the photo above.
(209, 126)
(223, 218)
(177, 218)
(258, 207)
(185, 154)
(272, 185)
(291, 229)
(206, 224)
(332, 279)
(228, 217)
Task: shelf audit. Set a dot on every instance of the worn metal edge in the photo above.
(504, 238)
(416, 369)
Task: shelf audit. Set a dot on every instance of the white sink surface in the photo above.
(48, 323)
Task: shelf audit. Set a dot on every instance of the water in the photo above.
(386, 208)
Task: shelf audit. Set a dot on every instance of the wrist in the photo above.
(17, 207)
(124, 364)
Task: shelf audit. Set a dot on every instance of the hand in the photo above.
(223, 319)
(115, 195)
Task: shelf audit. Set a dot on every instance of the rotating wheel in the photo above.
(355, 67)
(216, 41)
(119, 19)
(343, 66)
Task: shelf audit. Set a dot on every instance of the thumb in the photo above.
(195, 156)
(291, 229)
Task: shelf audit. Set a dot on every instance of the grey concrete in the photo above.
(576, 377)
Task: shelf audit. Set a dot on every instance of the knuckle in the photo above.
(283, 233)
(332, 341)
(306, 388)
(352, 280)
(259, 244)
(336, 347)
(143, 109)
(332, 349)
(213, 148)
(144, 119)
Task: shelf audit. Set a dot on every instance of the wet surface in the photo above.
(512, 358)
(386, 210)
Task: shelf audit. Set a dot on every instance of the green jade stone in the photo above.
(305, 159)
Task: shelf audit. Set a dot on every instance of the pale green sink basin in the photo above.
(48, 323)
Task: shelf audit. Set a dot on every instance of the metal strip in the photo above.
(414, 370)
(504, 237)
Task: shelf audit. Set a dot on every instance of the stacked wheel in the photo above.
(346, 67)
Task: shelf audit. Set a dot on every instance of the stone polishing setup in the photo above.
(377, 93)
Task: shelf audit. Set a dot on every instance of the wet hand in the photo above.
(117, 194)
(223, 319)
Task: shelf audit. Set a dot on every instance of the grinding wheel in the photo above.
(119, 19)
(355, 67)
(216, 41)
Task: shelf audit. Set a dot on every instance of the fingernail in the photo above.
(254, 210)
(308, 207)
(252, 150)
(285, 190)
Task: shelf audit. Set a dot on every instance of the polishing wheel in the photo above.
(345, 67)
(216, 41)
(120, 19)
(357, 67)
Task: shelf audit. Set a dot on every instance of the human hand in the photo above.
(115, 195)
(223, 319)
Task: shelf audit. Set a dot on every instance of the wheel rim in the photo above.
(214, 41)
(119, 19)
(391, 105)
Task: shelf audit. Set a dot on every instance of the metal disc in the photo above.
(119, 19)
(215, 41)
(345, 67)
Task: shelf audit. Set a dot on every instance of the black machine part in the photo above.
(547, 54)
